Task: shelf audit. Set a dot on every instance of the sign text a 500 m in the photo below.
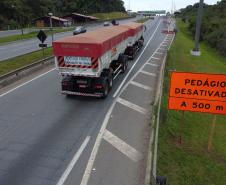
(198, 92)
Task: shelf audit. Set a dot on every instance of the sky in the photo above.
(137, 5)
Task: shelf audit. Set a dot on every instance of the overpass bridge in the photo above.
(152, 13)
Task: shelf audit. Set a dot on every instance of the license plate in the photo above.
(71, 60)
(81, 81)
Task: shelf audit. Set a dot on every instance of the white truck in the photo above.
(89, 62)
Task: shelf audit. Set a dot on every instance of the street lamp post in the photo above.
(51, 24)
(196, 51)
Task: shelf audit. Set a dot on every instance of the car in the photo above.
(79, 29)
(106, 23)
(114, 22)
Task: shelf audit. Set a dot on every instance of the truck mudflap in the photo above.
(82, 94)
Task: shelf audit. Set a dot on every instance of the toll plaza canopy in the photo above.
(95, 43)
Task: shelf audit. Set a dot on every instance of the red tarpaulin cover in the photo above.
(95, 43)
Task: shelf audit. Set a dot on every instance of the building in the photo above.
(56, 21)
(76, 18)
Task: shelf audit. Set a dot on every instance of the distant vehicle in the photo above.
(114, 22)
(79, 29)
(106, 23)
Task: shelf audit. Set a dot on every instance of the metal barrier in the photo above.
(24, 71)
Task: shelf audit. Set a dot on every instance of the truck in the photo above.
(89, 62)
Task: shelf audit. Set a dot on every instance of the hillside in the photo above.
(17, 13)
(213, 26)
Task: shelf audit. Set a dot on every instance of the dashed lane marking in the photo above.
(122, 146)
(164, 45)
(141, 86)
(155, 58)
(147, 73)
(73, 161)
(124, 80)
(151, 64)
(159, 53)
(132, 106)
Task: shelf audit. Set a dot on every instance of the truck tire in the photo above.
(110, 82)
(105, 90)
(124, 63)
(134, 53)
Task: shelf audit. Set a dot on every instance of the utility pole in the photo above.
(51, 24)
(196, 51)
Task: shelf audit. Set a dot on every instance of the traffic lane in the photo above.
(29, 126)
(78, 170)
(27, 46)
(41, 126)
(19, 32)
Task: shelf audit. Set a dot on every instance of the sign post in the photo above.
(198, 92)
(181, 127)
(211, 133)
(42, 37)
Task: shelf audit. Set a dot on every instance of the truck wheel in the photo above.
(124, 63)
(110, 82)
(124, 66)
(105, 90)
(134, 53)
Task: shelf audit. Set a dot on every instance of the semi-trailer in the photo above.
(89, 62)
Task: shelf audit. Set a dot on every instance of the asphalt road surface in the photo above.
(14, 32)
(41, 130)
(18, 48)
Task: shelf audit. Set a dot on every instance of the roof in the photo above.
(59, 19)
(81, 15)
(53, 17)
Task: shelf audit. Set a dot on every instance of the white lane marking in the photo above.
(96, 146)
(162, 49)
(73, 161)
(159, 53)
(122, 146)
(134, 76)
(26, 83)
(171, 42)
(151, 64)
(165, 45)
(132, 106)
(155, 58)
(141, 86)
(147, 73)
(122, 83)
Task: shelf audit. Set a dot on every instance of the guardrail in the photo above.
(10, 77)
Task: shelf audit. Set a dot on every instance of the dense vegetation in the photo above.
(213, 29)
(17, 13)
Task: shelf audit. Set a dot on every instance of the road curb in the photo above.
(152, 158)
(24, 71)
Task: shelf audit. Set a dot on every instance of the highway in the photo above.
(41, 130)
(27, 46)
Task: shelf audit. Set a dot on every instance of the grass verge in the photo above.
(111, 15)
(10, 65)
(190, 163)
(143, 20)
(4, 40)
